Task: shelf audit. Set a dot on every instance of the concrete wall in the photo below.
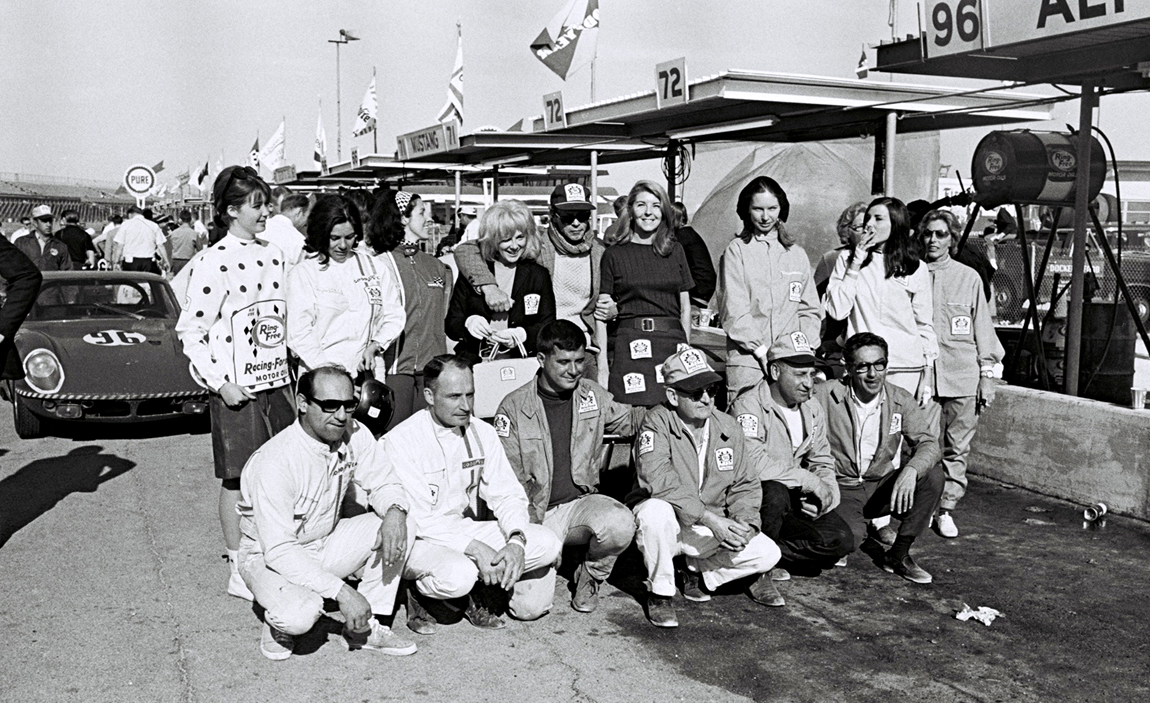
(1081, 450)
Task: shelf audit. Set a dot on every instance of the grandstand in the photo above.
(94, 200)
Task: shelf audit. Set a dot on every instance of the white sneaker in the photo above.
(841, 562)
(944, 526)
(380, 639)
(237, 587)
(276, 644)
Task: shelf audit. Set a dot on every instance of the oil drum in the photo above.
(1028, 167)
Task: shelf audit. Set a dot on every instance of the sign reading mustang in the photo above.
(432, 140)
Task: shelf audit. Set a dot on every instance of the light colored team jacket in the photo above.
(336, 309)
(291, 492)
(443, 497)
(967, 343)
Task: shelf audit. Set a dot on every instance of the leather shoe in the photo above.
(906, 568)
(661, 611)
(480, 614)
(765, 592)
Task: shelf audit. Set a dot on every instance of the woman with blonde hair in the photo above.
(646, 274)
(509, 243)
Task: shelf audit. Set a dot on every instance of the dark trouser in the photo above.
(178, 264)
(821, 541)
(408, 390)
(145, 265)
(871, 499)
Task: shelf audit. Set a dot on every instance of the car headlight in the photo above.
(43, 371)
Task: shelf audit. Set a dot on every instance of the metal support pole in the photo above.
(888, 159)
(458, 204)
(1031, 295)
(495, 184)
(672, 162)
(594, 190)
(338, 109)
(1078, 258)
(969, 226)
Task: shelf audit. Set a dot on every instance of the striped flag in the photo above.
(453, 108)
(558, 45)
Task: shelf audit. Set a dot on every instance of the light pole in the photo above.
(344, 37)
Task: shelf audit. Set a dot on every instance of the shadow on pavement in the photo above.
(38, 487)
(95, 431)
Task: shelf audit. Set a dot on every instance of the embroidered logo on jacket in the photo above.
(725, 458)
(502, 425)
(646, 442)
(896, 423)
(749, 423)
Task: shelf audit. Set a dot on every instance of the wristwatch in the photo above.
(522, 538)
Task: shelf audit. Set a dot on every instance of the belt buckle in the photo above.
(647, 324)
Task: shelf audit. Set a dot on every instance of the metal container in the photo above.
(1096, 511)
(1022, 166)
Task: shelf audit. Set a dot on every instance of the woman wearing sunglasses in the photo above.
(766, 288)
(341, 310)
(397, 227)
(571, 253)
(881, 286)
(509, 244)
(645, 272)
(232, 327)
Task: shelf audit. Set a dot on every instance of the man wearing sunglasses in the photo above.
(702, 495)
(787, 441)
(870, 424)
(45, 250)
(297, 548)
(572, 258)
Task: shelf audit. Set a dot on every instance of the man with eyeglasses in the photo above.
(870, 424)
(572, 258)
(25, 229)
(786, 436)
(297, 547)
(456, 475)
(968, 352)
(700, 495)
(44, 249)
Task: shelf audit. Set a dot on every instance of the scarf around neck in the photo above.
(563, 247)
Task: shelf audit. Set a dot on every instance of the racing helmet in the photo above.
(376, 406)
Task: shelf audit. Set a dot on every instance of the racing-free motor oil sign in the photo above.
(260, 346)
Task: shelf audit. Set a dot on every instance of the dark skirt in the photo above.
(632, 363)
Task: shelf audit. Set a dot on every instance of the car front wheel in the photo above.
(28, 424)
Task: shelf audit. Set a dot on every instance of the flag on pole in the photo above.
(320, 155)
(559, 47)
(272, 156)
(365, 118)
(453, 108)
(254, 156)
(201, 173)
(158, 167)
(863, 70)
(184, 177)
(162, 191)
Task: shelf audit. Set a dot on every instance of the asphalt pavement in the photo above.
(113, 580)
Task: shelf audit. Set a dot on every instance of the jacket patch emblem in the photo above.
(502, 425)
(960, 325)
(531, 304)
(634, 383)
(507, 373)
(588, 404)
(434, 494)
(659, 374)
(895, 423)
(646, 442)
(641, 349)
(725, 458)
(693, 360)
(796, 291)
(750, 424)
(800, 343)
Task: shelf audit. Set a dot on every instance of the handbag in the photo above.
(495, 378)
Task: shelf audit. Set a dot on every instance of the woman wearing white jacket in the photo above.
(343, 308)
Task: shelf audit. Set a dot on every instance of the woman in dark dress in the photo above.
(645, 272)
(509, 244)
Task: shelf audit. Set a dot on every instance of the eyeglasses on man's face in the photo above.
(861, 367)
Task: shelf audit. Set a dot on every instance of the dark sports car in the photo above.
(101, 346)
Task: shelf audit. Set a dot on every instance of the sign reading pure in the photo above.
(432, 140)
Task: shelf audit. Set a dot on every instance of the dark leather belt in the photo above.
(651, 324)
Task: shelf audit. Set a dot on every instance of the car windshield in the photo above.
(103, 298)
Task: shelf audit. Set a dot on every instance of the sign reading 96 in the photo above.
(953, 27)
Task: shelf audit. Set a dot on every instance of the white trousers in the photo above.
(441, 572)
(347, 551)
(661, 539)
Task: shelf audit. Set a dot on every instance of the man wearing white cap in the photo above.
(704, 494)
(45, 250)
(786, 436)
(468, 223)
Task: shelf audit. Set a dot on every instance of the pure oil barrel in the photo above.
(1028, 167)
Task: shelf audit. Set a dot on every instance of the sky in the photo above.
(90, 88)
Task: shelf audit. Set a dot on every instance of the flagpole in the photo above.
(375, 127)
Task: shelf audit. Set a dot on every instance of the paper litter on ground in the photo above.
(984, 614)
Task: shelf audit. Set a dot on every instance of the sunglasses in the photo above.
(240, 173)
(861, 368)
(580, 215)
(936, 234)
(330, 406)
(696, 396)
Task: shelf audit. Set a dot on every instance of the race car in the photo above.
(101, 346)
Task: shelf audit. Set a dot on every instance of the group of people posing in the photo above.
(453, 514)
